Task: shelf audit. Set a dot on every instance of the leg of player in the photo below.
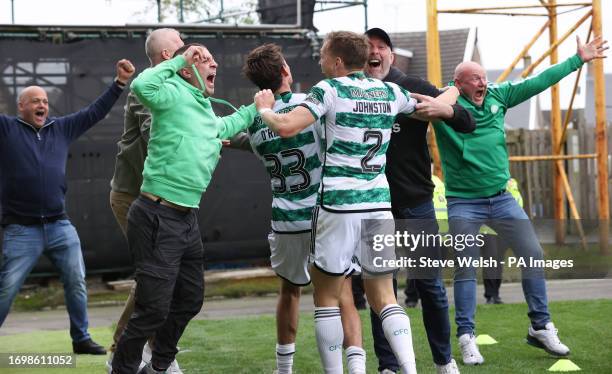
(328, 323)
(395, 321)
(351, 326)
(287, 312)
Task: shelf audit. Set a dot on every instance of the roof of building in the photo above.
(453, 46)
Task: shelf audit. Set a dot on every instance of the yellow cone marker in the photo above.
(564, 365)
(485, 339)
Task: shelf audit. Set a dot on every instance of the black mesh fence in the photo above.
(75, 67)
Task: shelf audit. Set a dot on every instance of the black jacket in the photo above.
(408, 162)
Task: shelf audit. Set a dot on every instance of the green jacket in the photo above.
(186, 134)
(476, 164)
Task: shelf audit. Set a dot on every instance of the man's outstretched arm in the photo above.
(517, 92)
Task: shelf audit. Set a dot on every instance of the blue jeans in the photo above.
(507, 218)
(59, 241)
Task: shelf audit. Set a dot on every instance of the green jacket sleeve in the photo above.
(236, 122)
(241, 141)
(515, 93)
(151, 87)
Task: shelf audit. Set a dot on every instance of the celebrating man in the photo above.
(33, 155)
(476, 173)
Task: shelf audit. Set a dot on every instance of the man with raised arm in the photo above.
(476, 172)
(33, 154)
(163, 231)
(160, 46)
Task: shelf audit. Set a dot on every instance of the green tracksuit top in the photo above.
(476, 164)
(186, 135)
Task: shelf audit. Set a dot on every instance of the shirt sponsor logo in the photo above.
(358, 93)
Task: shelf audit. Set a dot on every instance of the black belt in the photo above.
(28, 221)
(498, 193)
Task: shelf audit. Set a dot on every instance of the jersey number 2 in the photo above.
(365, 167)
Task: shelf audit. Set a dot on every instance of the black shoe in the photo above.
(411, 303)
(494, 300)
(88, 347)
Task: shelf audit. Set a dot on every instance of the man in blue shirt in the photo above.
(33, 154)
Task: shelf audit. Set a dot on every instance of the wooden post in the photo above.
(601, 138)
(570, 108)
(554, 45)
(570, 199)
(434, 73)
(555, 130)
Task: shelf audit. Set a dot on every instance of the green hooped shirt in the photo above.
(476, 164)
(185, 138)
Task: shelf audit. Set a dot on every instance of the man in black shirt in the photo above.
(409, 175)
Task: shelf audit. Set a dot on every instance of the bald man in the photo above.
(127, 179)
(476, 172)
(33, 154)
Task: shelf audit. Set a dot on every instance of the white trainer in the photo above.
(109, 363)
(469, 350)
(548, 340)
(450, 368)
(386, 371)
(146, 353)
(174, 368)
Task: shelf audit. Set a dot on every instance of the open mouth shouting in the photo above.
(479, 95)
(39, 116)
(210, 79)
(374, 62)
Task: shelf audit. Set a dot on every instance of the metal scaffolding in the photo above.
(549, 9)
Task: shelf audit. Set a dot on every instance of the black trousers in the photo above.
(167, 250)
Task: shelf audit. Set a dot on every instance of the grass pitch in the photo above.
(246, 345)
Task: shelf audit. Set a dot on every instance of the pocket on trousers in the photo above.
(167, 246)
(14, 230)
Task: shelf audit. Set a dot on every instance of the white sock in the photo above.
(396, 326)
(284, 358)
(329, 335)
(355, 360)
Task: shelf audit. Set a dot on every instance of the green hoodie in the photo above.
(476, 164)
(186, 134)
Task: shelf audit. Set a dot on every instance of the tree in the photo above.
(201, 10)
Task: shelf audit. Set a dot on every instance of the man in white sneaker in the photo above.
(476, 172)
(160, 46)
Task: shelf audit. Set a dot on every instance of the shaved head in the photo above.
(31, 91)
(33, 106)
(467, 67)
(161, 45)
(471, 81)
